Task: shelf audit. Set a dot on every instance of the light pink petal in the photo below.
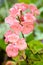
(9, 32)
(10, 20)
(13, 38)
(29, 17)
(33, 9)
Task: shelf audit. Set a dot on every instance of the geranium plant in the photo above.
(22, 21)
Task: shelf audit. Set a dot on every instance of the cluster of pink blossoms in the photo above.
(19, 22)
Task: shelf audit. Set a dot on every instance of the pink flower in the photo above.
(8, 33)
(10, 20)
(16, 28)
(27, 27)
(15, 9)
(33, 9)
(21, 6)
(12, 38)
(21, 44)
(25, 23)
(29, 17)
(12, 50)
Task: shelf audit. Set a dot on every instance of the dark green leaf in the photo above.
(2, 44)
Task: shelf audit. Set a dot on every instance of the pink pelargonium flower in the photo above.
(9, 32)
(29, 17)
(21, 6)
(21, 44)
(10, 20)
(12, 50)
(16, 28)
(33, 9)
(27, 27)
(14, 10)
(13, 38)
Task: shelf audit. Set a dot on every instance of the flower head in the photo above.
(33, 9)
(27, 27)
(21, 44)
(11, 37)
(12, 50)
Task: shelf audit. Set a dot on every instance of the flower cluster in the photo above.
(15, 44)
(19, 22)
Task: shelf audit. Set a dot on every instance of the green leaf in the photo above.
(41, 56)
(39, 32)
(35, 46)
(34, 57)
(16, 58)
(38, 63)
(3, 29)
(41, 9)
(2, 44)
(29, 37)
(23, 63)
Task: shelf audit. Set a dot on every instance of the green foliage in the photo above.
(29, 37)
(38, 63)
(39, 31)
(35, 46)
(23, 63)
(27, 1)
(3, 12)
(2, 44)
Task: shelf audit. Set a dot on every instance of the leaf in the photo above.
(16, 58)
(29, 37)
(34, 57)
(38, 63)
(41, 56)
(23, 63)
(2, 44)
(3, 29)
(39, 32)
(41, 9)
(35, 46)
